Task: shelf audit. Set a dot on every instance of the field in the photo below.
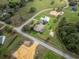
(38, 5)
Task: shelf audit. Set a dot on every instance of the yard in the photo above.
(45, 36)
(71, 16)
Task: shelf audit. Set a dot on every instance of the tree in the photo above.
(68, 33)
(32, 9)
(30, 0)
(52, 2)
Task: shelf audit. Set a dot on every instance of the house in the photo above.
(55, 13)
(46, 18)
(2, 39)
(74, 8)
(40, 26)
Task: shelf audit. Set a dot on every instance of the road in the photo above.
(67, 56)
(18, 29)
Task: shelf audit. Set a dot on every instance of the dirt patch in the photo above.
(25, 52)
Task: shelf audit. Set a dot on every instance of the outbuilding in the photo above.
(2, 39)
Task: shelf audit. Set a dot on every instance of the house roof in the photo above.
(46, 18)
(39, 27)
(2, 39)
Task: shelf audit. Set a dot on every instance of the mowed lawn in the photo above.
(51, 55)
(70, 15)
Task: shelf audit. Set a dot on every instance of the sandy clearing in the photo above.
(25, 52)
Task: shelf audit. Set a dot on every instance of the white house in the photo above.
(46, 18)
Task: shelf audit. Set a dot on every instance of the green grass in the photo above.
(39, 5)
(14, 0)
(51, 55)
(71, 16)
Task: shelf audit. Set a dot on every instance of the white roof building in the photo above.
(46, 18)
(40, 27)
(2, 39)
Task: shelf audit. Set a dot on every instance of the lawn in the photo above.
(38, 5)
(49, 55)
(71, 16)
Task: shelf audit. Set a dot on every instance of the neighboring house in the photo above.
(2, 39)
(43, 21)
(55, 13)
(74, 8)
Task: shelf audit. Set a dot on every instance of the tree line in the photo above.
(68, 33)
